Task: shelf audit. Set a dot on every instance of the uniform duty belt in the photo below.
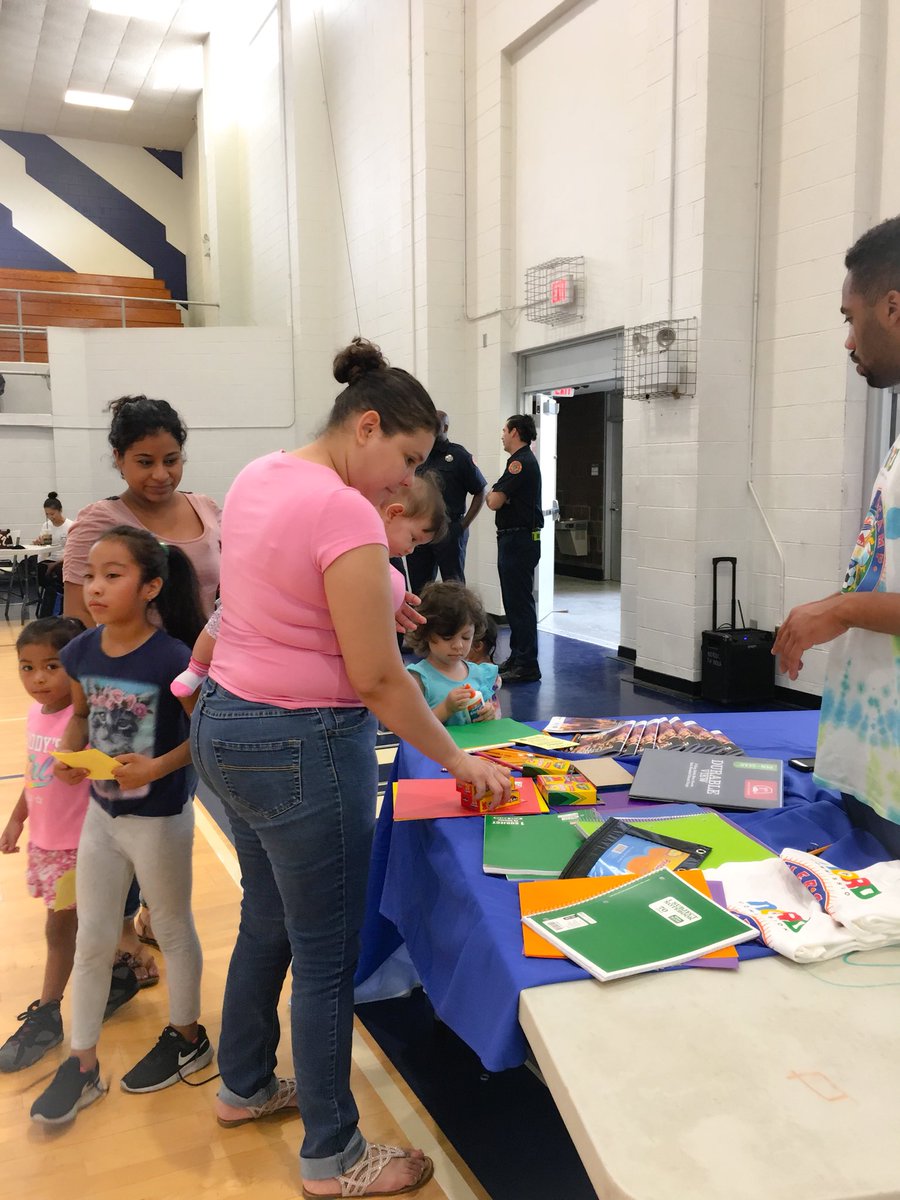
(535, 533)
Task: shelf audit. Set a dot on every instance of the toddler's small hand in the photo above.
(70, 775)
(458, 698)
(9, 838)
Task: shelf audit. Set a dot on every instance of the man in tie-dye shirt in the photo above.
(859, 731)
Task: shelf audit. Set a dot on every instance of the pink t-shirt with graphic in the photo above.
(55, 810)
(284, 523)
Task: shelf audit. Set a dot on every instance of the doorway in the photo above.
(575, 396)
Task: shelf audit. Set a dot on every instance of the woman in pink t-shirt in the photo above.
(147, 439)
(283, 735)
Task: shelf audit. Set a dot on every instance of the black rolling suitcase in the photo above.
(736, 665)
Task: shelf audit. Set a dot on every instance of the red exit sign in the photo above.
(558, 392)
(562, 290)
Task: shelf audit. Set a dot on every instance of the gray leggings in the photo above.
(110, 852)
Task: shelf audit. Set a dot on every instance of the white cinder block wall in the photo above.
(435, 151)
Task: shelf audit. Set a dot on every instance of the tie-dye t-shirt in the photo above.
(859, 729)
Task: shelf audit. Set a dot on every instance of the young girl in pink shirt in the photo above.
(55, 814)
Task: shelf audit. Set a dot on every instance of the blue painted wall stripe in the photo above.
(17, 250)
(105, 206)
(169, 158)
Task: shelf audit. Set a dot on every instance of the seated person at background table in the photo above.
(414, 516)
(53, 533)
(859, 748)
(454, 618)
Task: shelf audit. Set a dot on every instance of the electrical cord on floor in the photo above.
(201, 1082)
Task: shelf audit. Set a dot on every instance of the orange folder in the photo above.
(544, 894)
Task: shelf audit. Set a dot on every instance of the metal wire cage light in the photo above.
(659, 359)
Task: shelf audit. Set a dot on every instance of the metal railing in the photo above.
(22, 329)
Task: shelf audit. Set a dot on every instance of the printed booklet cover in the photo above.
(710, 780)
(653, 922)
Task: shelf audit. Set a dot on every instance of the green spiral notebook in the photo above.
(656, 921)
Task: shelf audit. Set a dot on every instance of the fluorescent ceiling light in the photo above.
(159, 11)
(98, 100)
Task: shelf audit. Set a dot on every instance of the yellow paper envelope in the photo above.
(545, 741)
(97, 764)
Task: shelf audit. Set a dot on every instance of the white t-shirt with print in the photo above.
(859, 727)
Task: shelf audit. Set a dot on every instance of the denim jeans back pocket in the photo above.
(262, 778)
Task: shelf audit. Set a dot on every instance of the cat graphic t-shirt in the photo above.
(859, 727)
(132, 711)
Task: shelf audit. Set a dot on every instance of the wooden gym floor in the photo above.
(167, 1143)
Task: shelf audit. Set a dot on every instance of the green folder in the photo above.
(655, 921)
(481, 734)
(728, 842)
(537, 846)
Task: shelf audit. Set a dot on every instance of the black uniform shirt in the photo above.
(521, 484)
(460, 477)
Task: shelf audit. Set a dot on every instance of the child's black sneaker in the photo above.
(40, 1031)
(70, 1090)
(171, 1059)
(123, 986)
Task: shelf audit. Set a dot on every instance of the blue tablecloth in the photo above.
(462, 929)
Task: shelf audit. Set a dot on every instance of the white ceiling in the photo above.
(47, 46)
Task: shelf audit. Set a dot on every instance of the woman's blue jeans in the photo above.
(299, 787)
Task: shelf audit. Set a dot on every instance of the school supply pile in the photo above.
(632, 738)
(560, 781)
(809, 910)
(543, 894)
(654, 921)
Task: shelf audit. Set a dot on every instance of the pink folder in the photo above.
(424, 799)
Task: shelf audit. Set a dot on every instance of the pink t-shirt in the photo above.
(55, 810)
(285, 522)
(203, 550)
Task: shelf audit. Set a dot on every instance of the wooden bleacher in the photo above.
(100, 309)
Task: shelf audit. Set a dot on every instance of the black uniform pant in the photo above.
(447, 556)
(518, 553)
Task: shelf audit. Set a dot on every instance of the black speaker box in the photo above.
(736, 665)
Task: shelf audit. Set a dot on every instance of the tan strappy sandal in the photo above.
(363, 1174)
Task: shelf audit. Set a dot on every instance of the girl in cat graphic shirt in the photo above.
(141, 820)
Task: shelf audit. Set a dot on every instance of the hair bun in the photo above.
(53, 495)
(357, 360)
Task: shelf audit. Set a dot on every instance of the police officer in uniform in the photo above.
(460, 478)
(516, 502)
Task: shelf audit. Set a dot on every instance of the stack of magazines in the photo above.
(630, 738)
